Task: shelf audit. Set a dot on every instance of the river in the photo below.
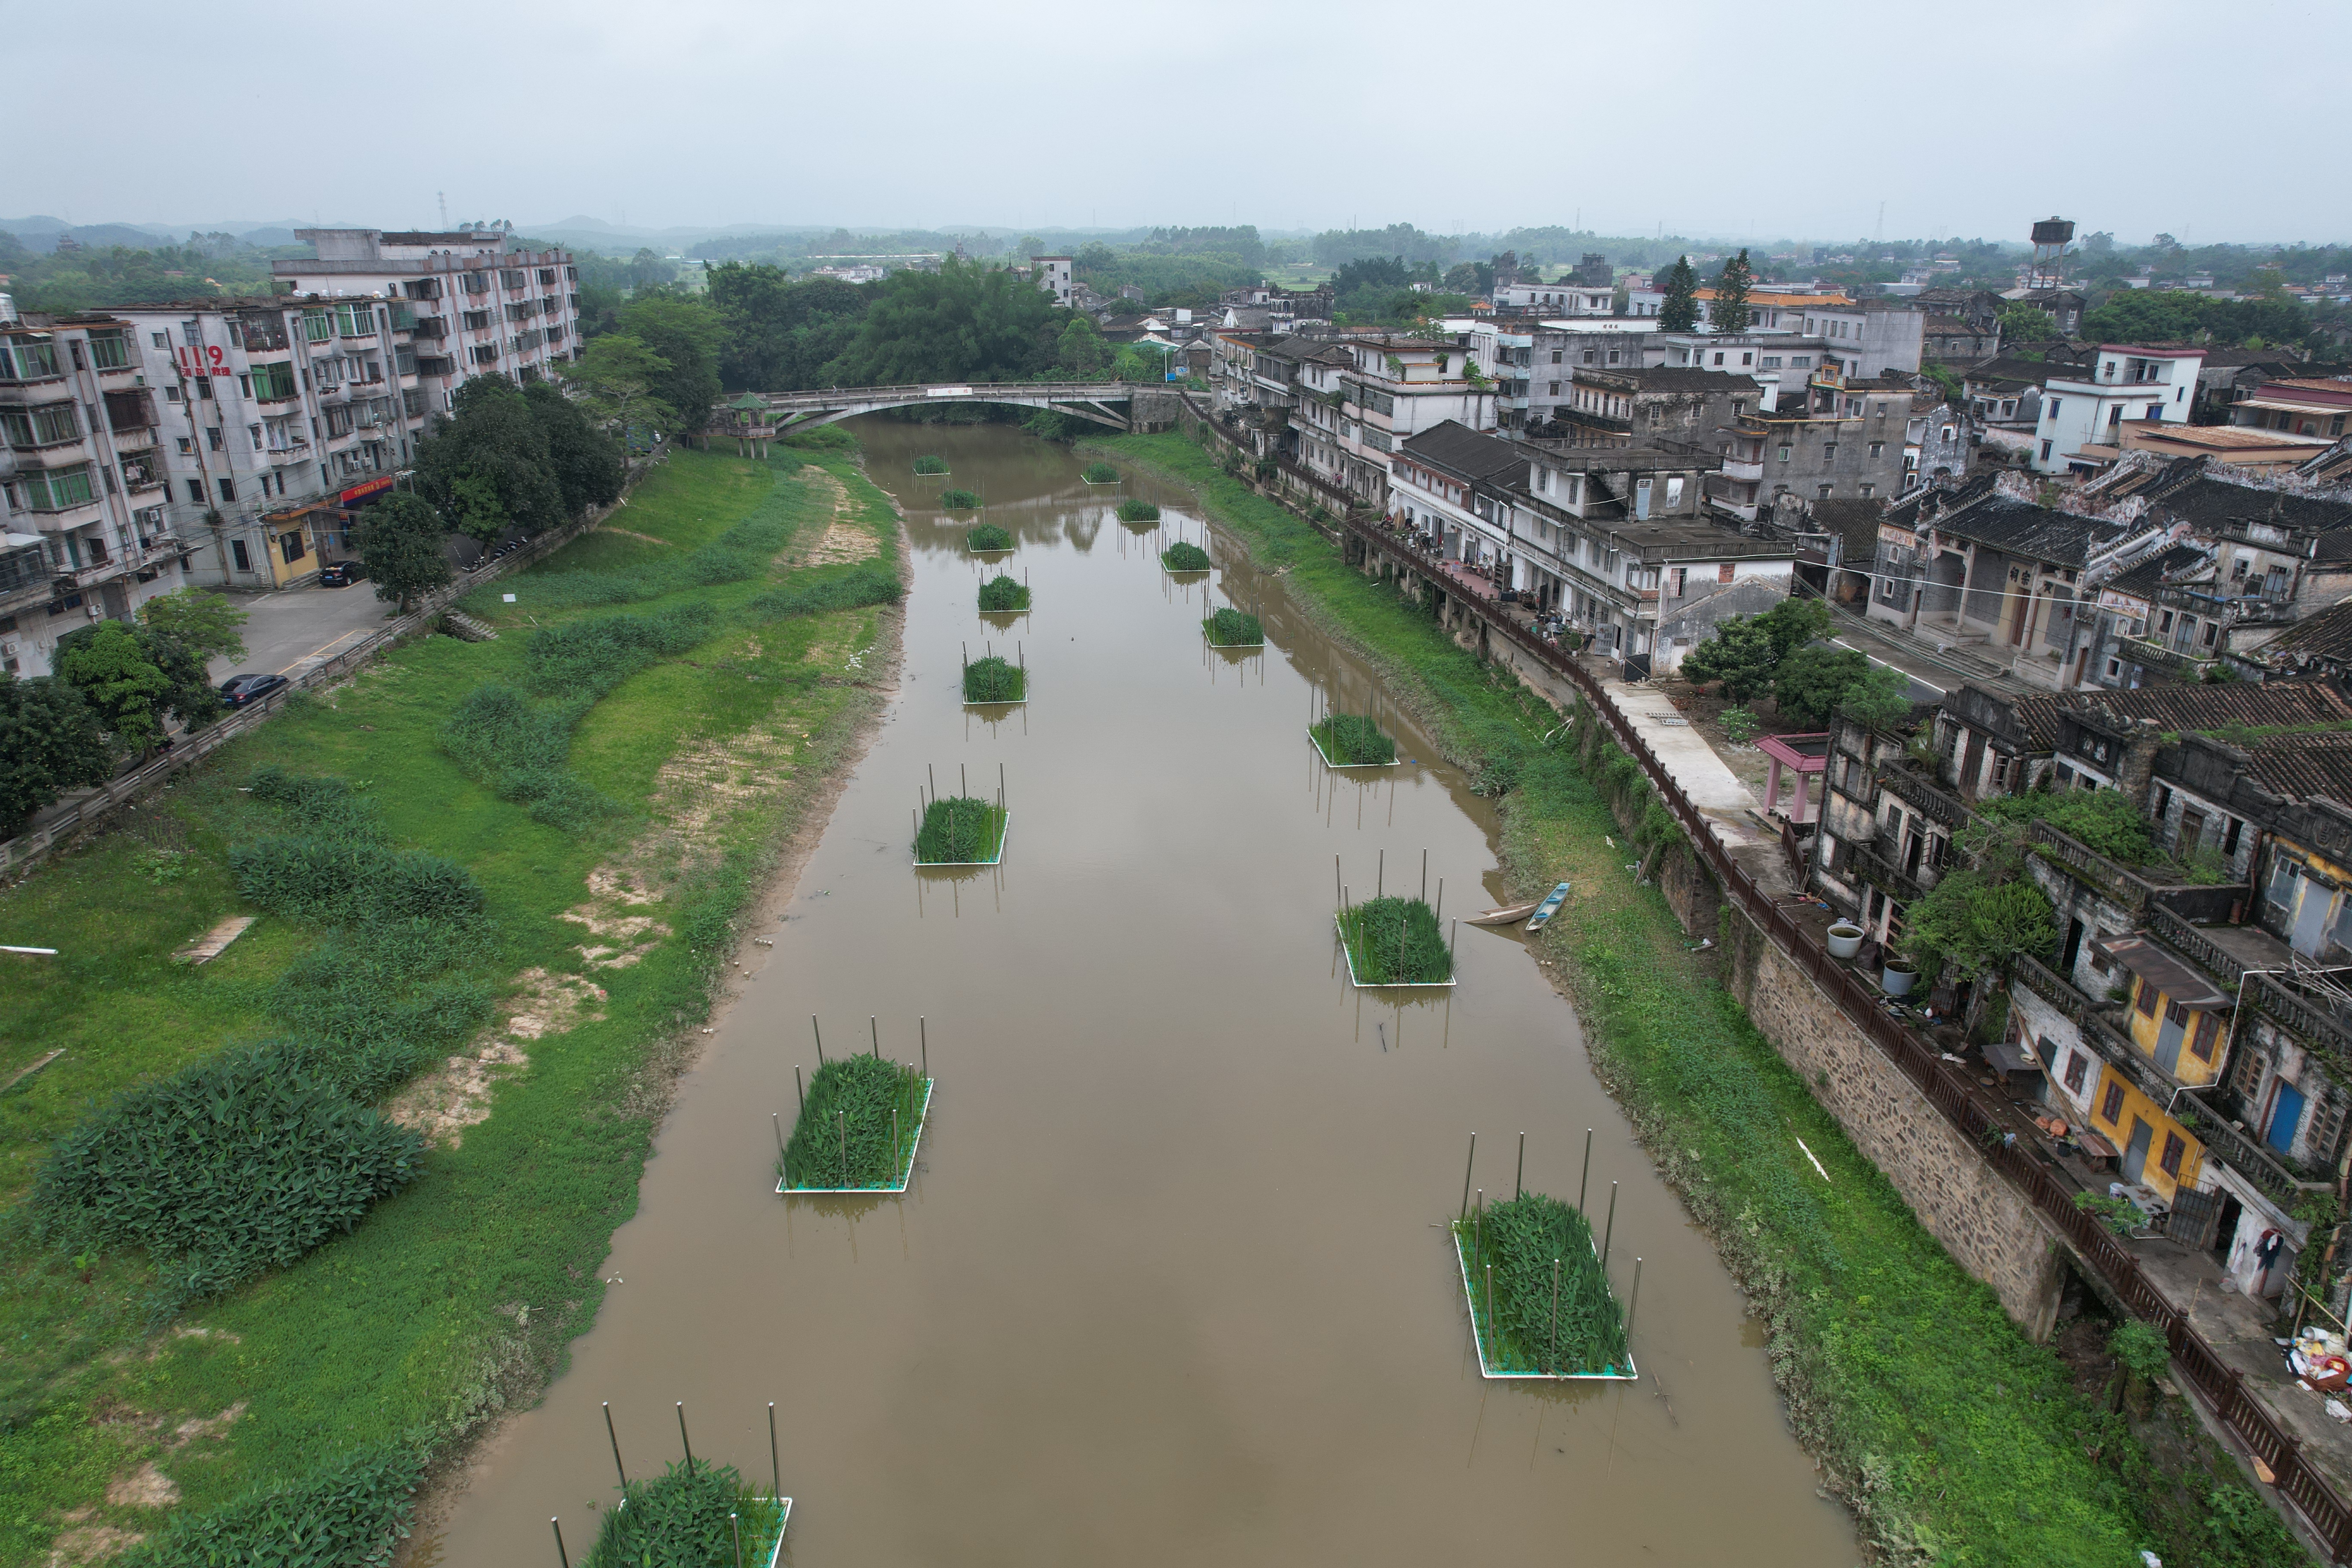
(1171, 1285)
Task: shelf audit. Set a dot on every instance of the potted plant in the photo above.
(1845, 939)
(1898, 977)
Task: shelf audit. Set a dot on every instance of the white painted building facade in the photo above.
(2123, 383)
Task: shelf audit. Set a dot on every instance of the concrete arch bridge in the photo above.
(1120, 404)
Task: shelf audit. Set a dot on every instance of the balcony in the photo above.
(1915, 790)
(2228, 1139)
(1876, 863)
(1745, 471)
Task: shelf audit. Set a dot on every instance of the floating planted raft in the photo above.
(930, 464)
(1395, 942)
(1233, 628)
(680, 1521)
(1099, 474)
(1183, 557)
(1352, 741)
(1001, 594)
(1528, 1330)
(1134, 510)
(984, 537)
(961, 831)
(991, 679)
(858, 1129)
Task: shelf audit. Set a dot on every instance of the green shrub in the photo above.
(2103, 820)
(1353, 738)
(871, 582)
(958, 500)
(1099, 474)
(930, 464)
(342, 882)
(681, 1521)
(1740, 726)
(1134, 510)
(590, 657)
(1183, 557)
(1520, 1240)
(844, 1136)
(987, 536)
(991, 679)
(960, 830)
(351, 1512)
(1228, 627)
(231, 1166)
(1001, 594)
(1395, 941)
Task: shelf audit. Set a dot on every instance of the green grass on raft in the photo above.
(1581, 1329)
(1001, 594)
(958, 500)
(987, 536)
(993, 679)
(1183, 557)
(1230, 627)
(1134, 510)
(930, 464)
(961, 830)
(856, 1126)
(1396, 942)
(1354, 740)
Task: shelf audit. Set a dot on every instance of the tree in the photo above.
(1679, 313)
(1880, 700)
(1729, 313)
(965, 321)
(780, 334)
(402, 543)
(1082, 352)
(1471, 277)
(204, 624)
(686, 333)
(1793, 623)
(586, 461)
(49, 743)
(618, 373)
(1812, 681)
(486, 463)
(2142, 1355)
(2023, 325)
(1978, 923)
(133, 677)
(1740, 655)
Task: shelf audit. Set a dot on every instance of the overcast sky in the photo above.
(2206, 121)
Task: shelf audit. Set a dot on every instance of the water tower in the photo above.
(2051, 238)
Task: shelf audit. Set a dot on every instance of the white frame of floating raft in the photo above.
(906, 1177)
(1315, 741)
(1003, 840)
(1470, 1301)
(1340, 932)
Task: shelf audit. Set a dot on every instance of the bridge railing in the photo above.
(828, 396)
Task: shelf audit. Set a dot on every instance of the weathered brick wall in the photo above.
(1987, 1225)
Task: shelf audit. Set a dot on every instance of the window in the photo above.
(2111, 1104)
(1784, 454)
(1828, 451)
(1868, 491)
(1555, 359)
(1555, 385)
(289, 546)
(235, 548)
(1878, 449)
(1822, 492)
(2052, 411)
(2077, 1067)
(1770, 362)
(1723, 573)
(1613, 356)
(1674, 491)
(2045, 451)
(161, 340)
(228, 488)
(1747, 359)
(1591, 356)
(2148, 996)
(2208, 1026)
(2174, 1148)
(196, 491)
(1718, 358)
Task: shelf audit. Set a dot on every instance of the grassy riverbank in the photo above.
(606, 929)
(1954, 1439)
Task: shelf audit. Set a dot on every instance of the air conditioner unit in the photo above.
(9, 648)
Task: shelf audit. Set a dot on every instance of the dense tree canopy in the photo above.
(1679, 313)
(49, 743)
(586, 461)
(780, 335)
(688, 334)
(486, 463)
(402, 542)
(963, 322)
(133, 676)
(1729, 312)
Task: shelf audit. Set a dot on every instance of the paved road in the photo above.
(294, 628)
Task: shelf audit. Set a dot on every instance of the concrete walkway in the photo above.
(292, 629)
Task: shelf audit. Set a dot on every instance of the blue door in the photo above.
(2286, 1114)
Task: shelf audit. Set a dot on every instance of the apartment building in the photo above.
(481, 305)
(1613, 539)
(2311, 407)
(2188, 1014)
(1832, 437)
(83, 531)
(1361, 403)
(1565, 297)
(1641, 408)
(279, 417)
(1534, 362)
(2083, 409)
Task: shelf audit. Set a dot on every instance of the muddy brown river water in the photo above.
(1171, 1285)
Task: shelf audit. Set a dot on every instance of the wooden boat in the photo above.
(1548, 908)
(1512, 915)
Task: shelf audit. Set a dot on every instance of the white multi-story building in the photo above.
(480, 305)
(2084, 411)
(1356, 405)
(83, 534)
(1052, 273)
(279, 415)
(1561, 298)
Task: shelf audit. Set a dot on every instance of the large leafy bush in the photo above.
(349, 1513)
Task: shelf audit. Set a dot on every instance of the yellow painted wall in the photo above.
(2144, 1027)
(2118, 1132)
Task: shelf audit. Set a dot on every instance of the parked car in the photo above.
(340, 573)
(242, 690)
